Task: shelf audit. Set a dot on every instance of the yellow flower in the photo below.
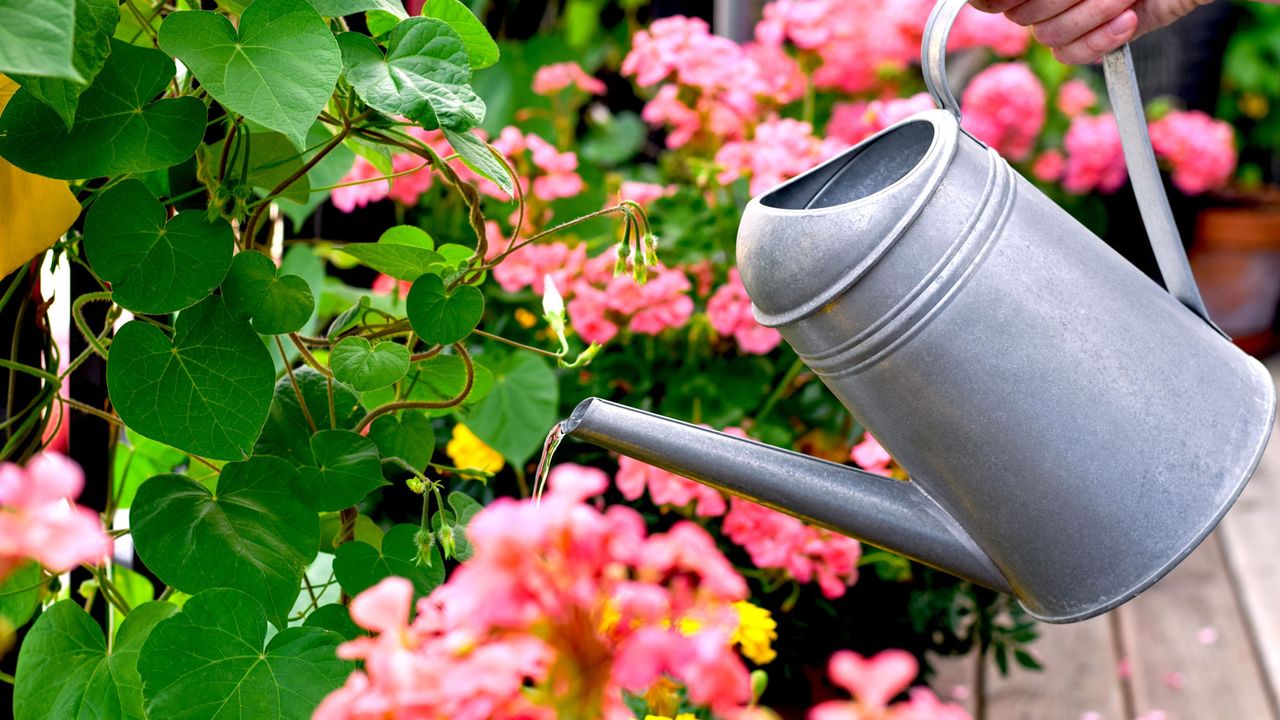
(755, 633)
(681, 716)
(468, 451)
(525, 318)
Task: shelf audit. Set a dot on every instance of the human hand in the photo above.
(1082, 31)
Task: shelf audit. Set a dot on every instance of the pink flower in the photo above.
(644, 193)
(870, 456)
(39, 520)
(979, 29)
(1075, 96)
(664, 302)
(922, 704)
(551, 79)
(780, 150)
(348, 198)
(406, 189)
(560, 177)
(1201, 150)
(854, 122)
(1095, 158)
(588, 314)
(729, 311)
(1049, 166)
(530, 265)
(778, 541)
(1004, 106)
(387, 285)
(874, 682)
(666, 488)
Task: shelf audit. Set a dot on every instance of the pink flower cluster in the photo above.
(718, 86)
(779, 150)
(40, 521)
(418, 176)
(555, 78)
(729, 311)
(666, 488)
(851, 123)
(804, 552)
(870, 456)
(644, 193)
(1075, 96)
(561, 609)
(874, 682)
(1004, 106)
(555, 173)
(1095, 158)
(1200, 149)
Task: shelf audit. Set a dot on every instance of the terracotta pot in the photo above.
(1236, 261)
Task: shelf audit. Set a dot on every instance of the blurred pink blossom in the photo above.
(1201, 149)
(1049, 166)
(1004, 106)
(1095, 158)
(348, 198)
(588, 314)
(663, 302)
(666, 488)
(778, 541)
(780, 150)
(729, 311)
(870, 456)
(644, 193)
(854, 122)
(1075, 96)
(874, 682)
(40, 521)
(552, 79)
(528, 266)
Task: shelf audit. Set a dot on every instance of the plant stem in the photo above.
(297, 390)
(6, 677)
(77, 314)
(307, 357)
(251, 227)
(90, 410)
(427, 404)
(520, 345)
(780, 389)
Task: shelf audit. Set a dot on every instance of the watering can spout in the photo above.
(884, 512)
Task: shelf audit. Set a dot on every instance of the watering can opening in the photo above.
(864, 171)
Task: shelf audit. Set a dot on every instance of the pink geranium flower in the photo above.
(1004, 106)
(40, 521)
(552, 79)
(729, 311)
(870, 456)
(1201, 149)
(873, 683)
(1075, 96)
(1095, 158)
(366, 189)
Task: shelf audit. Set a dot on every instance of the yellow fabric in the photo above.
(34, 211)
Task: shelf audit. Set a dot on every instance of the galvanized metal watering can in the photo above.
(1071, 429)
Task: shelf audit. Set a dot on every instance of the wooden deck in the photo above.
(1202, 644)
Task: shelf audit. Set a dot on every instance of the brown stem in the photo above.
(427, 404)
(251, 227)
(515, 344)
(307, 357)
(297, 389)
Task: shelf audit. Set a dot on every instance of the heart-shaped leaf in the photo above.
(204, 392)
(406, 435)
(95, 21)
(425, 75)
(65, 670)
(257, 534)
(404, 252)
(38, 38)
(335, 618)
(118, 128)
(287, 433)
(20, 594)
(441, 317)
(155, 264)
(477, 156)
(213, 661)
(524, 400)
(276, 303)
(481, 48)
(347, 468)
(450, 526)
(440, 378)
(278, 70)
(342, 8)
(359, 566)
(365, 366)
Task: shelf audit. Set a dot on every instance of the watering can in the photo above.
(1071, 429)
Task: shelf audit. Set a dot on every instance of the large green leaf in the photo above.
(95, 22)
(481, 48)
(155, 264)
(287, 433)
(37, 38)
(406, 435)
(477, 156)
(340, 8)
(277, 303)
(136, 459)
(365, 366)
(279, 69)
(438, 379)
(347, 468)
(336, 618)
(66, 672)
(441, 317)
(206, 391)
(118, 128)
(19, 595)
(404, 252)
(212, 661)
(515, 417)
(257, 533)
(360, 566)
(425, 75)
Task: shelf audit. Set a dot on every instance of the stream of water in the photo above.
(544, 465)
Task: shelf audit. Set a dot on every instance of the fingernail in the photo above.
(1123, 23)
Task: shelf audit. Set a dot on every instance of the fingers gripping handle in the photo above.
(1122, 88)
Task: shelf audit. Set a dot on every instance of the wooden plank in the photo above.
(1173, 668)
(1251, 540)
(1079, 677)
(955, 679)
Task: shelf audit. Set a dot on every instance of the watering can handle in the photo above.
(1126, 102)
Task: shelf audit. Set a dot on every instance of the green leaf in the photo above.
(65, 670)
(335, 618)
(364, 366)
(342, 8)
(95, 21)
(404, 252)
(204, 392)
(441, 317)
(347, 468)
(359, 566)
(118, 128)
(440, 378)
(514, 419)
(37, 38)
(272, 159)
(450, 526)
(135, 588)
(19, 595)
(287, 434)
(475, 153)
(481, 48)
(329, 171)
(256, 534)
(155, 264)
(212, 660)
(276, 303)
(137, 459)
(406, 435)
(425, 75)
(279, 69)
